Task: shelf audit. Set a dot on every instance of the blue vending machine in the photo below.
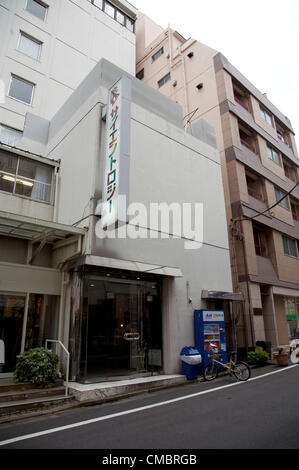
(209, 326)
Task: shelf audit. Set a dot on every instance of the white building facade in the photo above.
(121, 302)
(48, 48)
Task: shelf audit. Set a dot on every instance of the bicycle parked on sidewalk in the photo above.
(239, 369)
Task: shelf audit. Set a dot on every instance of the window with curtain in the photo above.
(289, 246)
(279, 197)
(10, 136)
(273, 155)
(25, 177)
(37, 8)
(29, 46)
(266, 116)
(21, 89)
(109, 9)
(115, 13)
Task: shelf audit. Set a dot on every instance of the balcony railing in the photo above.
(237, 100)
(248, 146)
(295, 216)
(255, 194)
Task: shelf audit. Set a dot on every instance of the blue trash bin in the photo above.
(191, 360)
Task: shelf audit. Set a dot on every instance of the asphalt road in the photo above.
(262, 413)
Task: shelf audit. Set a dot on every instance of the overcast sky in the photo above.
(260, 38)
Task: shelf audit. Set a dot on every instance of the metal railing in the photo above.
(67, 361)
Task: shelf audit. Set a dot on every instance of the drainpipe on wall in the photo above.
(56, 195)
(234, 234)
(25, 323)
(170, 45)
(64, 282)
(182, 59)
(247, 282)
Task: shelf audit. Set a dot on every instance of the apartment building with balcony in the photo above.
(259, 171)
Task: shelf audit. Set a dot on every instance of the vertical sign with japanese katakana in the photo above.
(117, 151)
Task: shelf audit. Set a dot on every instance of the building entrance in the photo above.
(121, 327)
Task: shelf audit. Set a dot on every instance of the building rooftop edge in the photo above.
(221, 61)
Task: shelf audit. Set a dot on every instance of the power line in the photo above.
(269, 208)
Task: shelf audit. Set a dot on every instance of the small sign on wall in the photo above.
(213, 316)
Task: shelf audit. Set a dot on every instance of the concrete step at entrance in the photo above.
(12, 411)
(21, 400)
(101, 392)
(30, 393)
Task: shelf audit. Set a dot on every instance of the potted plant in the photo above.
(282, 357)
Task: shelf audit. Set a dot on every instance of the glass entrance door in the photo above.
(121, 328)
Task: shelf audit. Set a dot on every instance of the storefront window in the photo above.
(42, 320)
(42, 324)
(11, 325)
(121, 327)
(292, 313)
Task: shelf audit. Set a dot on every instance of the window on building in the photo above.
(25, 177)
(109, 9)
(140, 74)
(164, 80)
(21, 89)
(260, 243)
(266, 116)
(114, 13)
(295, 210)
(10, 136)
(29, 46)
(273, 155)
(120, 17)
(37, 8)
(130, 24)
(157, 54)
(292, 314)
(282, 197)
(290, 171)
(283, 134)
(98, 3)
(289, 246)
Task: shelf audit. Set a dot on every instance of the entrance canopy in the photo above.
(113, 263)
(218, 295)
(35, 230)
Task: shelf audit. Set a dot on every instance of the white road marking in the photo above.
(135, 410)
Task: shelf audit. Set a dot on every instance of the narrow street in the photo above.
(262, 413)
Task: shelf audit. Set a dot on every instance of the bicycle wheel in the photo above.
(210, 372)
(241, 371)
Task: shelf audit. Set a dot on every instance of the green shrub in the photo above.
(257, 358)
(38, 366)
